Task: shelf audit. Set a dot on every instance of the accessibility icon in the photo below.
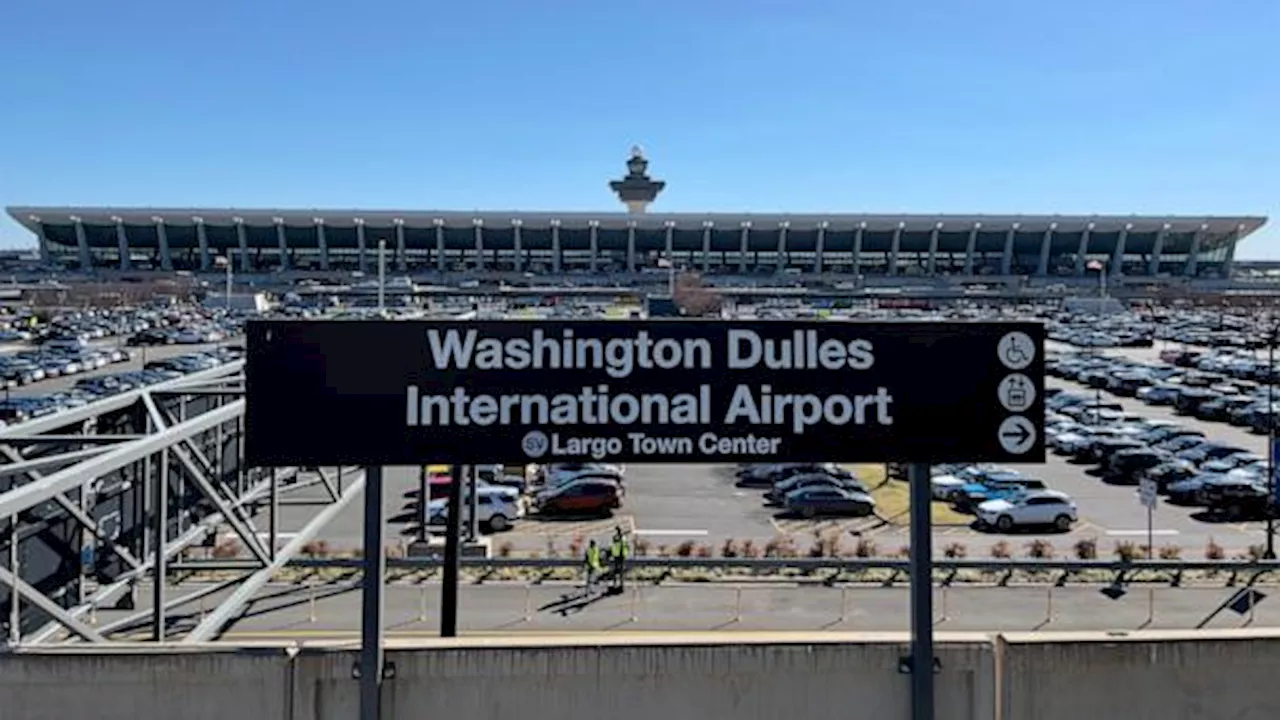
(1016, 392)
(1017, 435)
(1016, 350)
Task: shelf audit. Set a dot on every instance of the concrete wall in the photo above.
(685, 678)
(771, 676)
(145, 685)
(1232, 675)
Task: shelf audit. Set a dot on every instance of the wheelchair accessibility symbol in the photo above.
(1016, 350)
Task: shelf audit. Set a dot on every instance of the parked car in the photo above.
(824, 500)
(589, 496)
(1029, 509)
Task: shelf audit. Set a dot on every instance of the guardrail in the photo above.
(760, 565)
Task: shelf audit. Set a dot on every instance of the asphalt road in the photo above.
(293, 612)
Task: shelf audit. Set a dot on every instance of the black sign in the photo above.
(656, 391)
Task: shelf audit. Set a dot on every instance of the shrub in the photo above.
(226, 549)
(705, 551)
(552, 550)
(1040, 549)
(641, 547)
(1214, 551)
(1127, 551)
(866, 548)
(904, 552)
(1087, 548)
(314, 548)
(1170, 552)
(955, 551)
(832, 546)
(730, 549)
(1257, 552)
(577, 546)
(664, 551)
(505, 549)
(685, 549)
(1001, 550)
(749, 549)
(780, 547)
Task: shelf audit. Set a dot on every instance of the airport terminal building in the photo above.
(418, 242)
(431, 243)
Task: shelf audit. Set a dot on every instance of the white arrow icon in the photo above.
(1017, 435)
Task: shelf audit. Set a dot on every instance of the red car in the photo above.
(583, 497)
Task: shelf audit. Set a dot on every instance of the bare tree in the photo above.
(695, 299)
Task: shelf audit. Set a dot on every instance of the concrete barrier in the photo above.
(146, 683)
(744, 676)
(1139, 676)
(625, 676)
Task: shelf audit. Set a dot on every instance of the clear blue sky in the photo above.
(1079, 106)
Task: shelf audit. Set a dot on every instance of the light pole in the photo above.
(382, 276)
(1270, 553)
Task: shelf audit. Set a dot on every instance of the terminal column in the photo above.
(1193, 258)
(555, 246)
(322, 242)
(745, 243)
(1006, 262)
(1046, 243)
(1153, 265)
(971, 248)
(515, 243)
(282, 244)
(1083, 251)
(594, 231)
(202, 240)
(162, 234)
(1229, 261)
(820, 247)
(932, 262)
(631, 246)
(1117, 255)
(477, 228)
(402, 262)
(670, 243)
(242, 238)
(46, 257)
(122, 242)
(440, 263)
(894, 248)
(707, 227)
(857, 248)
(82, 244)
(361, 260)
(784, 228)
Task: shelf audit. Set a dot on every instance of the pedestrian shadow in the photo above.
(574, 603)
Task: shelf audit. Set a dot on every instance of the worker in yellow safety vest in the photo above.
(594, 563)
(618, 553)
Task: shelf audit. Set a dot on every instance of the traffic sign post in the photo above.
(1148, 495)
(659, 391)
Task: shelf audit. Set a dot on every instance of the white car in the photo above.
(1032, 508)
(496, 507)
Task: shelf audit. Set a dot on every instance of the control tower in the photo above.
(637, 189)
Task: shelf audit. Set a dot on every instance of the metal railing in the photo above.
(763, 565)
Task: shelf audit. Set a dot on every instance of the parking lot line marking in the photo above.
(1142, 532)
(672, 533)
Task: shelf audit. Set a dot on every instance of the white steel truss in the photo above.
(180, 433)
